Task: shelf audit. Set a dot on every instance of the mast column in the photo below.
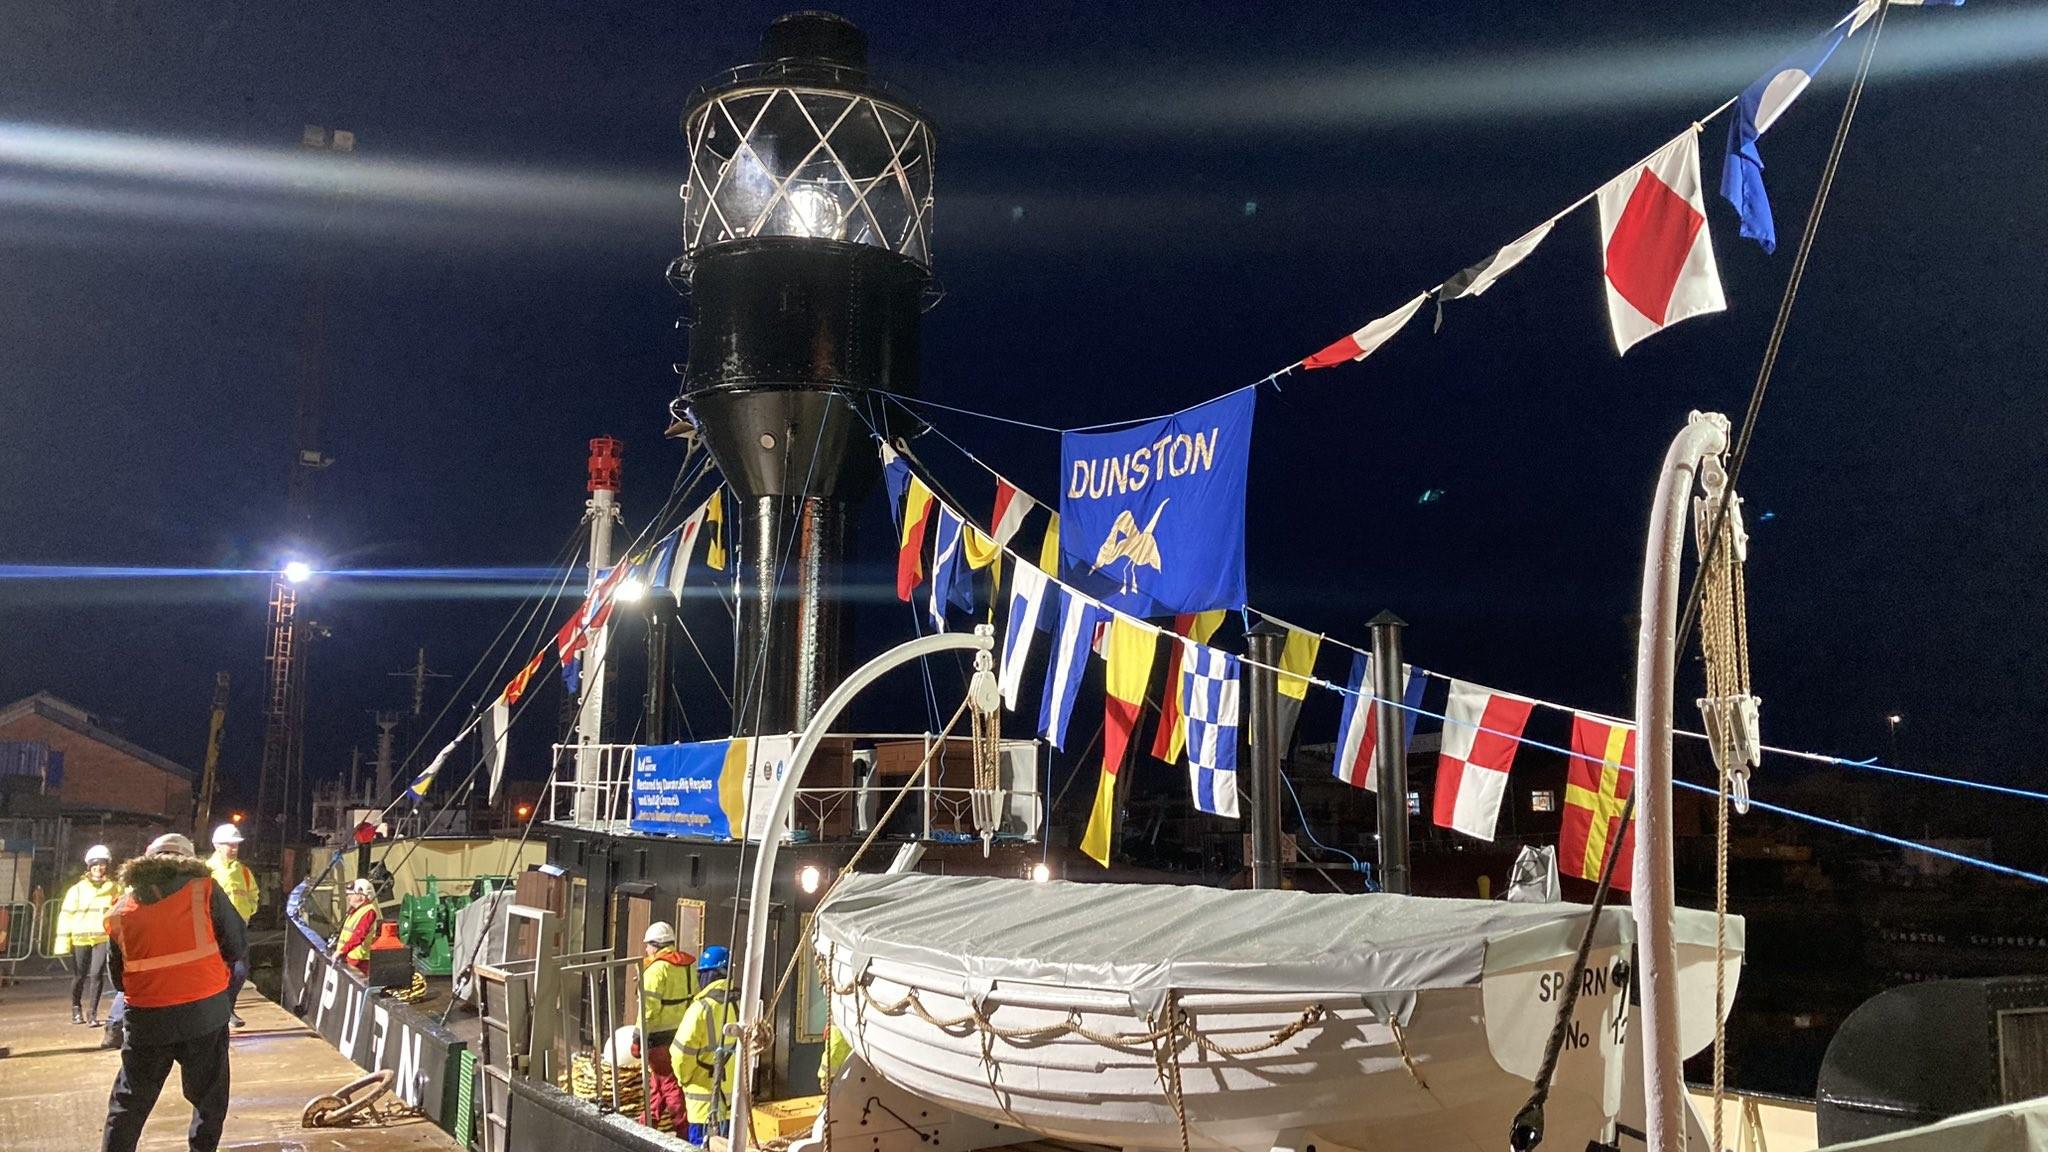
(1262, 782)
(1390, 752)
(602, 511)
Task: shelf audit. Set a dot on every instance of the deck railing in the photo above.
(935, 810)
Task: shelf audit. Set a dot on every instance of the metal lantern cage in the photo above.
(806, 145)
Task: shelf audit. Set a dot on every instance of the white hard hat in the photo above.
(171, 844)
(362, 886)
(660, 932)
(99, 854)
(226, 834)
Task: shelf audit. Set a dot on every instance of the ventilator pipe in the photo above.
(1653, 899)
(753, 959)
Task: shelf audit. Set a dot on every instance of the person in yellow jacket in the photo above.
(668, 982)
(833, 1058)
(704, 1057)
(82, 932)
(239, 883)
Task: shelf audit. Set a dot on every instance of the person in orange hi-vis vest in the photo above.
(359, 928)
(172, 939)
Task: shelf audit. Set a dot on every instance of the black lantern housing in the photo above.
(807, 241)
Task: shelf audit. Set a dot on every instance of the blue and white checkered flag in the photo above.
(1209, 691)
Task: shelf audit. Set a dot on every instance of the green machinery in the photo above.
(426, 922)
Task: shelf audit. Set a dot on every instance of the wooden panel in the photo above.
(534, 890)
(690, 927)
(2023, 1054)
(812, 1002)
(631, 914)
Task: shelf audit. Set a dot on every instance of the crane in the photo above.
(280, 783)
(209, 775)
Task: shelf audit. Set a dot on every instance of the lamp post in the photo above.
(807, 230)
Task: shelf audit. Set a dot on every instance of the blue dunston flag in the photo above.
(1152, 516)
(1759, 106)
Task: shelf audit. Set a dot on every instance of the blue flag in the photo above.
(1208, 698)
(952, 582)
(1152, 516)
(1759, 106)
(1072, 642)
(662, 565)
(896, 479)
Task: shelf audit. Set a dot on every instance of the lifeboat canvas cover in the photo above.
(1150, 939)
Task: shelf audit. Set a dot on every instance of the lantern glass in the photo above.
(809, 163)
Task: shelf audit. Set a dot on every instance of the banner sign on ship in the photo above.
(690, 789)
(1152, 516)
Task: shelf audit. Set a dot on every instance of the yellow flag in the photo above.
(1131, 645)
(1297, 663)
(714, 531)
(1049, 552)
(981, 551)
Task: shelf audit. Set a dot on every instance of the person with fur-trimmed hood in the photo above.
(173, 940)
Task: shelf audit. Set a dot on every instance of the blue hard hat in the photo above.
(715, 959)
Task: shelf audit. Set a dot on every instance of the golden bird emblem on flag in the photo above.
(1126, 541)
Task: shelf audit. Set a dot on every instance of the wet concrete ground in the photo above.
(54, 1081)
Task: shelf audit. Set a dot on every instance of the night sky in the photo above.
(1135, 212)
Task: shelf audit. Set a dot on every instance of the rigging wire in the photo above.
(571, 549)
(685, 476)
(931, 695)
(461, 793)
(1521, 1130)
(685, 482)
(1823, 821)
(1869, 764)
(758, 674)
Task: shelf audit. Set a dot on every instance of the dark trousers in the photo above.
(203, 1068)
(89, 964)
(238, 975)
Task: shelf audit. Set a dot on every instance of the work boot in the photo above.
(93, 1021)
(77, 1017)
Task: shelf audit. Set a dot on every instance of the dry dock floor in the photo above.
(54, 1081)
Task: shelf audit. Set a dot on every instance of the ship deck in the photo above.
(54, 1081)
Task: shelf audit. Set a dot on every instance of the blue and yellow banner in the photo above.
(691, 789)
(1152, 516)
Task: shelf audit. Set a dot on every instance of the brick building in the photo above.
(93, 783)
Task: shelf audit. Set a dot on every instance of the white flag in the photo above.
(1027, 602)
(1658, 255)
(497, 732)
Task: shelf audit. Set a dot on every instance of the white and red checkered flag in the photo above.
(1482, 729)
(1658, 255)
